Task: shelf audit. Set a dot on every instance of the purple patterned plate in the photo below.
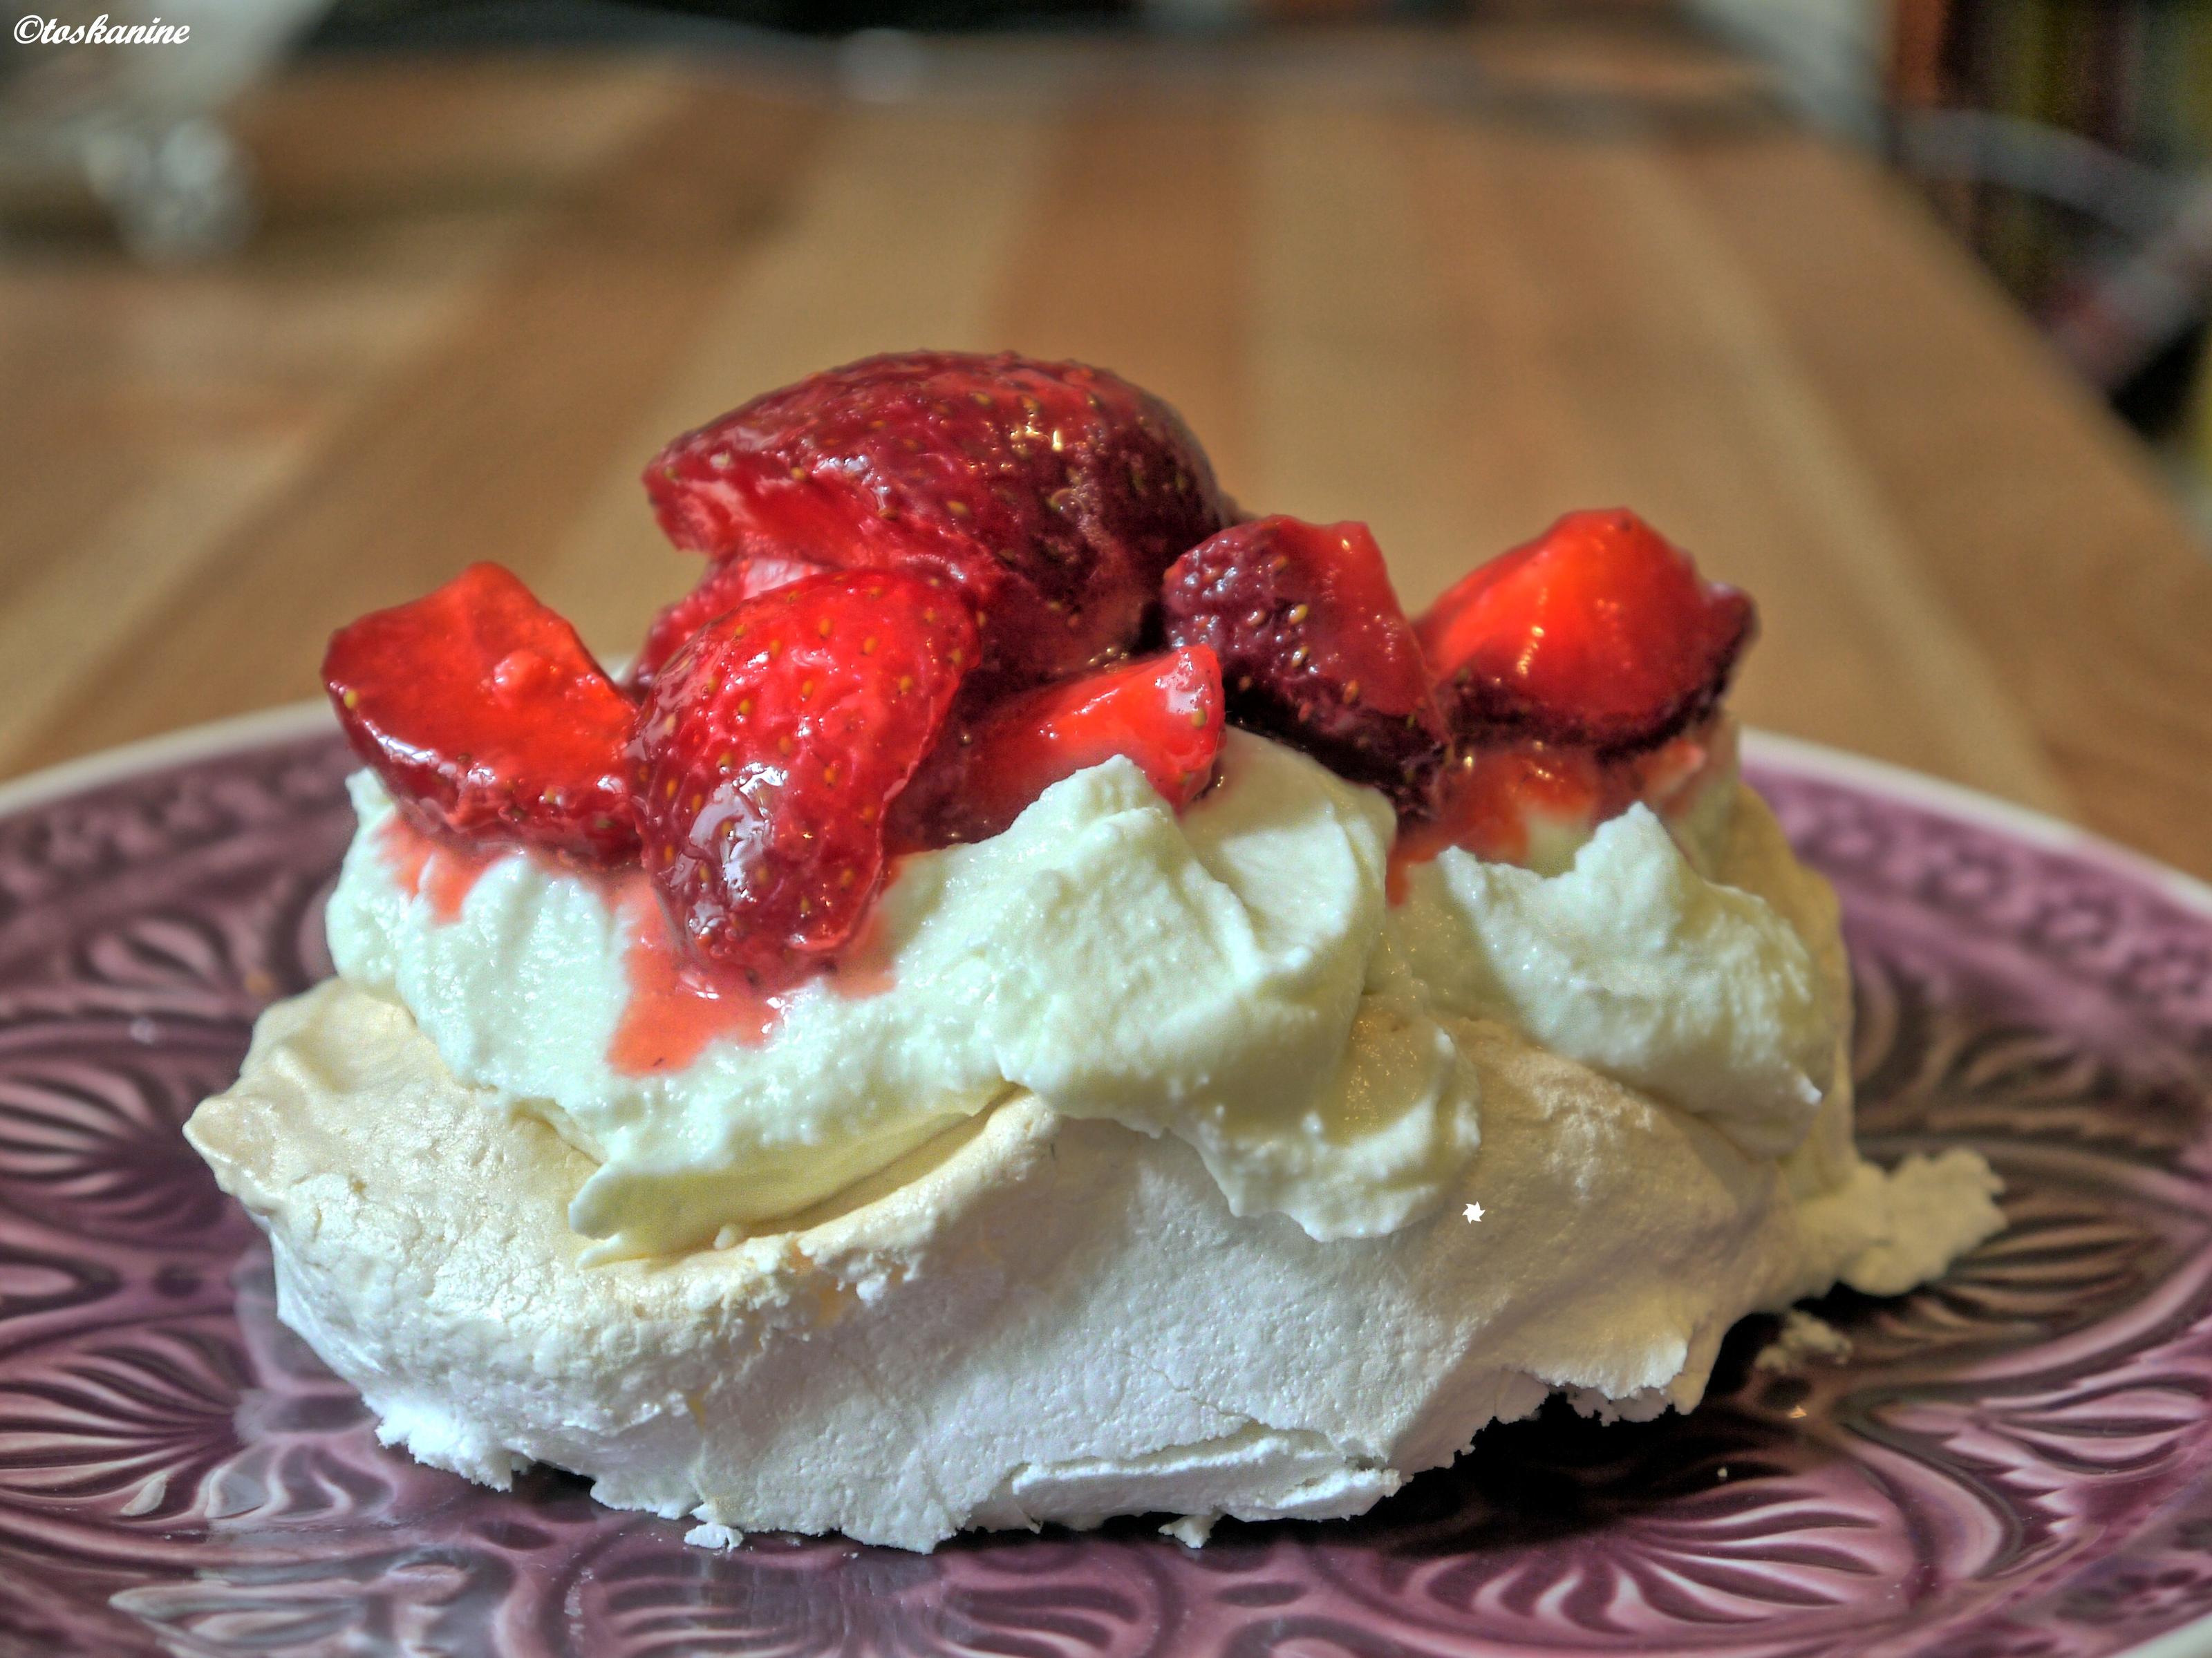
(2016, 1463)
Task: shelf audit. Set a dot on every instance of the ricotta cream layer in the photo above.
(1231, 976)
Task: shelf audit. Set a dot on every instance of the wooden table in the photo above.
(1451, 283)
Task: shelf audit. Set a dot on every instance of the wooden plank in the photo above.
(1605, 358)
(1555, 267)
(113, 375)
(1358, 393)
(483, 445)
(2044, 530)
(1134, 254)
(1939, 701)
(894, 237)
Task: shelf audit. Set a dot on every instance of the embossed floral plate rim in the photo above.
(1772, 750)
(265, 727)
(1785, 758)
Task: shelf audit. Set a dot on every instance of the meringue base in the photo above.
(1028, 1319)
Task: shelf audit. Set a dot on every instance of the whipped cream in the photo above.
(1693, 990)
(1232, 974)
(1206, 975)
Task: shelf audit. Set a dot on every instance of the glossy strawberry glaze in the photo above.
(483, 710)
(424, 866)
(1488, 798)
(674, 1012)
(676, 1009)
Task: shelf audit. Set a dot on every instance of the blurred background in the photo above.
(1893, 311)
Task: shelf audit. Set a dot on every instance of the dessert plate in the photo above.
(2014, 1463)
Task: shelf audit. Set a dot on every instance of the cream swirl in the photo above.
(1231, 975)
(1203, 975)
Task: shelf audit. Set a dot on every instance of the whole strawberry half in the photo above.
(1052, 493)
(1313, 647)
(1599, 633)
(1162, 711)
(724, 585)
(772, 745)
(487, 717)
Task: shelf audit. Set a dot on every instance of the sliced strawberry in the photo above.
(1052, 494)
(769, 749)
(1313, 647)
(1599, 633)
(722, 589)
(487, 717)
(1164, 712)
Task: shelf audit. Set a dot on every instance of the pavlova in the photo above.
(1041, 996)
